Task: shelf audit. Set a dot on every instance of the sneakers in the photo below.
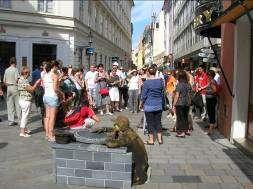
(24, 135)
(101, 113)
(109, 113)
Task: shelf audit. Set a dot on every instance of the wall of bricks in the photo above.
(92, 165)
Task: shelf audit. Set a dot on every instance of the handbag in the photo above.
(166, 103)
(197, 100)
(103, 91)
(64, 137)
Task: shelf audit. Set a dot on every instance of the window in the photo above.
(45, 6)
(100, 59)
(157, 25)
(5, 3)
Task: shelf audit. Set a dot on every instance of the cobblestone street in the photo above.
(194, 162)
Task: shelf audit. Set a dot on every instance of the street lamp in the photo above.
(90, 50)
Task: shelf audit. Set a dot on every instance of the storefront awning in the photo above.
(236, 10)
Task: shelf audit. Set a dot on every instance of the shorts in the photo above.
(114, 94)
(51, 101)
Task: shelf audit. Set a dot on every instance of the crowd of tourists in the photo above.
(69, 97)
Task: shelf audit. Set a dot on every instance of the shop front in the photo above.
(7, 50)
(240, 13)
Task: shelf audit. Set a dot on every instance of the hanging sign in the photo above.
(203, 55)
(89, 51)
(208, 51)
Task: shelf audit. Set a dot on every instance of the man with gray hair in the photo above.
(11, 77)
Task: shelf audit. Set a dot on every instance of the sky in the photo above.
(141, 16)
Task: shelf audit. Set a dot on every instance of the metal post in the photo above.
(222, 71)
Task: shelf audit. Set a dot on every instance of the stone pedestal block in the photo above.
(92, 165)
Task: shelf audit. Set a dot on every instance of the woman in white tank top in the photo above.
(51, 100)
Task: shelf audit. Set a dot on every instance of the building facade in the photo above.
(159, 39)
(147, 45)
(37, 30)
(187, 44)
(168, 31)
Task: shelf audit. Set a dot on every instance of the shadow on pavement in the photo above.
(243, 163)
(3, 145)
(37, 130)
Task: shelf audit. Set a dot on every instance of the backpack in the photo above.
(64, 137)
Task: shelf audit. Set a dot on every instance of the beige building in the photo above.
(36, 30)
(140, 56)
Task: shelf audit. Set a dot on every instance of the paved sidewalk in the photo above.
(197, 162)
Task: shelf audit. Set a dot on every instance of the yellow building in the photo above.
(140, 56)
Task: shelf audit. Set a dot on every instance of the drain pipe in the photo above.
(222, 71)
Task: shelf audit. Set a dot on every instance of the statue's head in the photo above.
(121, 123)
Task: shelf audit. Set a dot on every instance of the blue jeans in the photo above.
(51, 101)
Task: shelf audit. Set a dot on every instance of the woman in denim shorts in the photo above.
(50, 98)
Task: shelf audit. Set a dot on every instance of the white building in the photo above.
(36, 30)
(168, 31)
(158, 40)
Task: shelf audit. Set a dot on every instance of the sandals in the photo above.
(51, 139)
(149, 143)
(28, 131)
(172, 129)
(160, 143)
(24, 135)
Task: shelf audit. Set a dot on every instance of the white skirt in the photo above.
(114, 94)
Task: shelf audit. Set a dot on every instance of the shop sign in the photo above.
(203, 55)
(206, 60)
(203, 18)
(208, 51)
(210, 56)
(89, 51)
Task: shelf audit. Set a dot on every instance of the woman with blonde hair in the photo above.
(25, 99)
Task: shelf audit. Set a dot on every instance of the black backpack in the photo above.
(64, 137)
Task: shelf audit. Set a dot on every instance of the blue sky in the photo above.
(141, 16)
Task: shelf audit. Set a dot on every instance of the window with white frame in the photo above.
(5, 3)
(45, 6)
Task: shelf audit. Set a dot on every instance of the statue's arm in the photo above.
(115, 143)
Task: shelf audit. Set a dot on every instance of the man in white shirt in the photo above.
(122, 89)
(90, 80)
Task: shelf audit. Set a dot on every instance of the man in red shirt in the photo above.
(201, 81)
(83, 118)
